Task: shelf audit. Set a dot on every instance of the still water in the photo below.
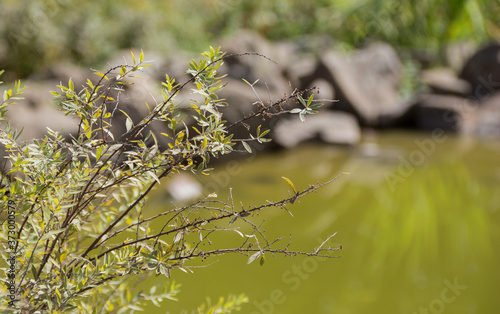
(418, 219)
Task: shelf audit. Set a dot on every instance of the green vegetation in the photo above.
(77, 235)
(35, 34)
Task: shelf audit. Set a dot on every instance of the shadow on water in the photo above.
(419, 235)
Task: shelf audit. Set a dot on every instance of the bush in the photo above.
(77, 237)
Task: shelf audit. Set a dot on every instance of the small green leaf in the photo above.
(296, 110)
(51, 233)
(96, 73)
(128, 124)
(309, 101)
(254, 257)
(133, 57)
(301, 116)
(290, 183)
(247, 147)
(33, 271)
(302, 101)
(262, 260)
(178, 236)
(264, 133)
(316, 106)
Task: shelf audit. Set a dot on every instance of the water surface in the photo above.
(418, 219)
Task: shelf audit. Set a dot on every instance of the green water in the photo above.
(418, 219)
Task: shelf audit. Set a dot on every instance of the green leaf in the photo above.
(33, 271)
(264, 133)
(96, 73)
(250, 84)
(129, 124)
(296, 110)
(301, 116)
(178, 236)
(232, 220)
(290, 183)
(316, 106)
(262, 260)
(133, 57)
(254, 257)
(247, 147)
(51, 233)
(7, 94)
(309, 101)
(153, 175)
(302, 101)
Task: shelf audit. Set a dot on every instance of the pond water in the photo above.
(418, 218)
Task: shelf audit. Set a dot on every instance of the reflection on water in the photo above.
(418, 220)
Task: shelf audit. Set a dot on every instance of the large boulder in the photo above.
(446, 112)
(482, 71)
(365, 83)
(264, 68)
(329, 127)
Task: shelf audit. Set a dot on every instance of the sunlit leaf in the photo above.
(247, 147)
(178, 236)
(290, 183)
(253, 257)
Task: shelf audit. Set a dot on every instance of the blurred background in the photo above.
(416, 123)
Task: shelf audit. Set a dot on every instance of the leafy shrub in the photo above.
(77, 227)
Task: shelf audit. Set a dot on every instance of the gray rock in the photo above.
(330, 127)
(135, 100)
(62, 72)
(37, 112)
(444, 81)
(251, 67)
(242, 101)
(488, 117)
(450, 113)
(366, 83)
(482, 71)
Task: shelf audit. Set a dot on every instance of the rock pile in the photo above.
(365, 84)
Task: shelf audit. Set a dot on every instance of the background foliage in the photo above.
(52, 30)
